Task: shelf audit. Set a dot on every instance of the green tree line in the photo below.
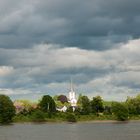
(45, 109)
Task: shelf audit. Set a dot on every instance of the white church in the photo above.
(71, 99)
(72, 96)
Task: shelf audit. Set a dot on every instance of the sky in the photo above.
(45, 43)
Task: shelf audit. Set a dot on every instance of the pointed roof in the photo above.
(71, 86)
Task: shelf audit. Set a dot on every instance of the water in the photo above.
(77, 131)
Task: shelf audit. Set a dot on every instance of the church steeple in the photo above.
(71, 86)
(72, 95)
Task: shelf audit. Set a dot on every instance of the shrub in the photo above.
(107, 110)
(70, 117)
(38, 116)
(70, 109)
(120, 110)
(22, 118)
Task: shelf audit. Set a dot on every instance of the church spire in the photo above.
(71, 85)
(72, 96)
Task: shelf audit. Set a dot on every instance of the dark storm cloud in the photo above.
(79, 75)
(44, 43)
(46, 64)
(91, 24)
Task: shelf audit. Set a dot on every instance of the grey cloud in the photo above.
(44, 43)
(42, 65)
(89, 24)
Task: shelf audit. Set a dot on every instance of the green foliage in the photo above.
(85, 111)
(107, 110)
(55, 98)
(79, 100)
(47, 104)
(133, 105)
(61, 116)
(70, 109)
(107, 103)
(120, 110)
(97, 104)
(77, 111)
(60, 104)
(70, 117)
(38, 116)
(7, 109)
(85, 105)
(22, 118)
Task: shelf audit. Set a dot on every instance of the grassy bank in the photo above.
(65, 117)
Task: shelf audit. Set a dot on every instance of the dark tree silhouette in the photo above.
(47, 104)
(7, 109)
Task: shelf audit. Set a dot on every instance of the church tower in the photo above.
(72, 96)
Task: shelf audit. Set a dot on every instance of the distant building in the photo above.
(63, 109)
(72, 97)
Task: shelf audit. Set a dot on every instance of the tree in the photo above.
(7, 109)
(120, 110)
(24, 106)
(79, 100)
(85, 105)
(97, 104)
(62, 98)
(47, 104)
(107, 110)
(133, 105)
(55, 98)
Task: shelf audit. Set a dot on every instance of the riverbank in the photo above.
(59, 118)
(80, 122)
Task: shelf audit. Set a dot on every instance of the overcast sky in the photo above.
(43, 43)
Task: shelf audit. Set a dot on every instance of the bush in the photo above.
(70, 109)
(107, 110)
(120, 110)
(60, 114)
(77, 111)
(22, 118)
(7, 109)
(38, 116)
(71, 117)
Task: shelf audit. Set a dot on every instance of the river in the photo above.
(75, 131)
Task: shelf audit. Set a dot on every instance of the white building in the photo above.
(72, 97)
(63, 109)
